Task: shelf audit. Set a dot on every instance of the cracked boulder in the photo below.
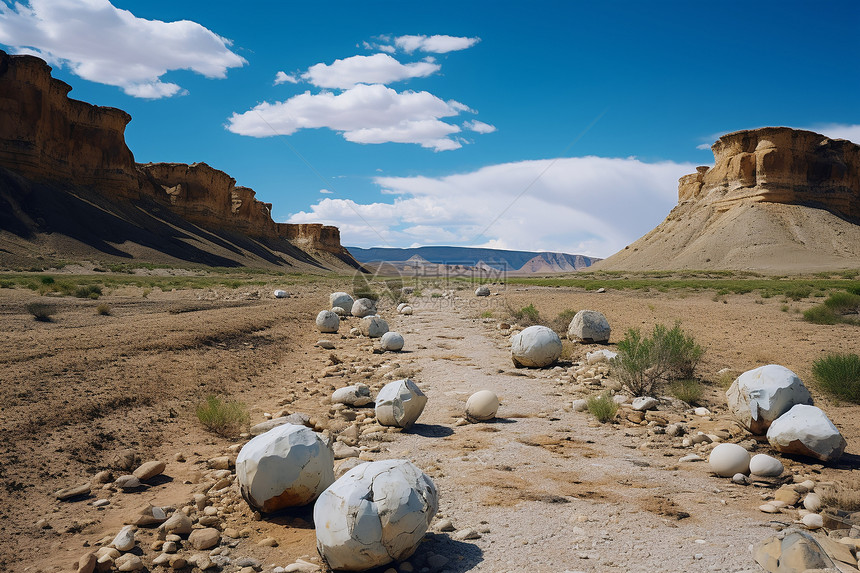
(378, 512)
(363, 307)
(806, 430)
(589, 326)
(373, 326)
(341, 299)
(328, 321)
(535, 347)
(761, 395)
(399, 403)
(287, 466)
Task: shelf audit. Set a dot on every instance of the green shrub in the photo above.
(689, 390)
(844, 302)
(487, 314)
(642, 362)
(527, 315)
(41, 311)
(226, 419)
(678, 351)
(562, 321)
(47, 280)
(821, 315)
(103, 310)
(798, 293)
(838, 308)
(88, 291)
(839, 376)
(602, 407)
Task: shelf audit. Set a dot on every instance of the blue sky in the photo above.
(527, 125)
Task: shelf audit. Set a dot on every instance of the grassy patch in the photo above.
(103, 310)
(840, 307)
(689, 391)
(602, 407)
(226, 419)
(526, 316)
(41, 311)
(839, 376)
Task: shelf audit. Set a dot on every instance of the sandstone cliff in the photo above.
(777, 199)
(54, 143)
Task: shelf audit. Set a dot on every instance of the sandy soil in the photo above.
(546, 488)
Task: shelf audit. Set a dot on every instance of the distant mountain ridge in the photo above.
(498, 259)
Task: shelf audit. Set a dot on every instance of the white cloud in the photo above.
(364, 114)
(326, 192)
(284, 77)
(105, 44)
(436, 44)
(587, 205)
(479, 126)
(375, 69)
(387, 48)
(704, 146)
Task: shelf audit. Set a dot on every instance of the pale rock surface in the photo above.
(178, 524)
(406, 310)
(589, 326)
(813, 521)
(643, 403)
(392, 342)
(535, 347)
(124, 540)
(204, 538)
(295, 418)
(806, 430)
(812, 502)
(355, 395)
(128, 562)
(766, 466)
(759, 396)
(373, 326)
(280, 293)
(482, 406)
(287, 466)
(601, 355)
(376, 513)
(363, 307)
(727, 460)
(399, 403)
(127, 482)
(340, 299)
(340, 311)
(482, 290)
(401, 306)
(149, 470)
(328, 321)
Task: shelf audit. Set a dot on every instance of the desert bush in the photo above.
(226, 419)
(842, 495)
(562, 321)
(798, 293)
(689, 390)
(527, 315)
(643, 361)
(602, 407)
(821, 315)
(678, 351)
(47, 280)
(844, 302)
(838, 308)
(41, 311)
(103, 310)
(839, 376)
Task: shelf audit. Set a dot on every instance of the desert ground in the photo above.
(542, 488)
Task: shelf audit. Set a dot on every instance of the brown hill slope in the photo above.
(776, 200)
(70, 189)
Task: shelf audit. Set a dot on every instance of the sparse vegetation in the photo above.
(840, 307)
(226, 419)
(689, 390)
(103, 310)
(602, 407)
(88, 291)
(41, 311)
(842, 495)
(526, 316)
(839, 376)
(487, 314)
(562, 321)
(643, 361)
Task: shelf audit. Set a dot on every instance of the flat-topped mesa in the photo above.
(779, 165)
(320, 237)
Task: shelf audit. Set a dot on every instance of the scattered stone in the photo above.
(102, 477)
(328, 321)
(301, 566)
(204, 538)
(340, 311)
(363, 307)
(766, 466)
(769, 508)
(806, 430)
(728, 459)
(599, 356)
(676, 429)
(149, 516)
(295, 418)
(287, 466)
(281, 294)
(355, 395)
(346, 465)
(702, 411)
(87, 563)
(373, 326)
(760, 396)
(444, 524)
(812, 521)
(149, 470)
(124, 540)
(128, 562)
(407, 310)
(222, 462)
(589, 326)
(327, 344)
(177, 524)
(391, 342)
(399, 404)
(465, 534)
(643, 403)
(268, 542)
(341, 299)
(482, 406)
(482, 290)
(580, 405)
(127, 482)
(692, 458)
(786, 495)
(342, 451)
(535, 347)
(374, 514)
(812, 502)
(740, 479)
(73, 492)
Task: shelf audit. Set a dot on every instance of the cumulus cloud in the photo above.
(588, 205)
(375, 69)
(364, 114)
(105, 44)
(284, 77)
(479, 126)
(435, 44)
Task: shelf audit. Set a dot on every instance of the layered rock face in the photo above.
(48, 138)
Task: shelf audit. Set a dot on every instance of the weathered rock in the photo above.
(482, 406)
(812, 502)
(87, 563)
(149, 470)
(149, 516)
(363, 307)
(128, 562)
(127, 482)
(482, 290)
(222, 462)
(806, 430)
(376, 513)
(812, 521)
(391, 342)
(328, 321)
(760, 396)
(355, 395)
(589, 326)
(340, 299)
(287, 466)
(794, 553)
(601, 355)
(535, 347)
(124, 540)
(280, 293)
(340, 311)
(373, 326)
(73, 492)
(326, 344)
(295, 418)
(399, 403)
(407, 310)
(786, 495)
(728, 459)
(204, 538)
(643, 403)
(766, 466)
(177, 524)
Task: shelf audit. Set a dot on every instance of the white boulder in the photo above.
(376, 513)
(407, 310)
(373, 326)
(761, 395)
(601, 355)
(644, 403)
(124, 540)
(363, 307)
(355, 395)
(482, 290)
(766, 466)
(399, 403)
(535, 347)
(280, 293)
(727, 460)
(401, 306)
(328, 321)
(341, 299)
(806, 430)
(589, 326)
(482, 406)
(392, 342)
(287, 466)
(339, 310)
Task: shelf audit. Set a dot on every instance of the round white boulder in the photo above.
(407, 310)
(376, 513)
(399, 403)
(339, 310)
(482, 290)
(363, 307)
(482, 406)
(727, 460)
(759, 396)
(280, 293)
(806, 430)
(373, 326)
(287, 466)
(589, 326)
(535, 347)
(340, 299)
(392, 342)
(328, 321)
(401, 305)
(766, 466)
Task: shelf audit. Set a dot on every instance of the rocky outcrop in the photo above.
(48, 138)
